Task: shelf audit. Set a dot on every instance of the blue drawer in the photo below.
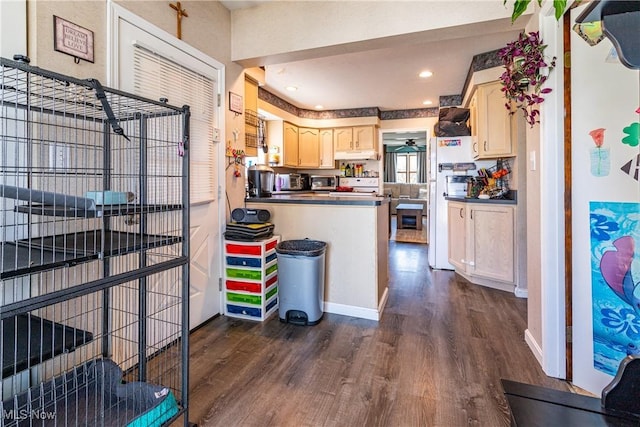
(247, 311)
(243, 261)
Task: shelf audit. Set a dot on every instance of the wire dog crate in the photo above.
(94, 264)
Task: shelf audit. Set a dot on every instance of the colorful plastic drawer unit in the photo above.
(251, 278)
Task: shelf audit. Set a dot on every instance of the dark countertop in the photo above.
(321, 199)
(512, 199)
(486, 201)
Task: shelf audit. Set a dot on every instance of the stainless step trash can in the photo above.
(301, 280)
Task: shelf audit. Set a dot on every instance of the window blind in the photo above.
(158, 77)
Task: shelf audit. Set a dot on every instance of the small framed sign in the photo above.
(72, 39)
(235, 103)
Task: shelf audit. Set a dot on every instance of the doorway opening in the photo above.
(406, 176)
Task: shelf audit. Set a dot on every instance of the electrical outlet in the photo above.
(59, 156)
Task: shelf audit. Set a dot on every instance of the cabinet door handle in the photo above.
(485, 146)
(475, 147)
(471, 214)
(461, 213)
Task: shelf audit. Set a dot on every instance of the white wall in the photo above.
(604, 95)
(13, 28)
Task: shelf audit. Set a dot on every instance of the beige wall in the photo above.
(91, 15)
(208, 29)
(534, 279)
(533, 231)
(426, 123)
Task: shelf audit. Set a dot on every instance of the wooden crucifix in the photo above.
(180, 13)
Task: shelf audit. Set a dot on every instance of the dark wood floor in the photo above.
(435, 359)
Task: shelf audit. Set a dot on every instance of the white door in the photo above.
(138, 45)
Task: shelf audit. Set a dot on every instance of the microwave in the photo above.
(289, 181)
(324, 182)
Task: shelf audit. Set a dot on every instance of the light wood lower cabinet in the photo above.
(457, 221)
(491, 245)
(481, 243)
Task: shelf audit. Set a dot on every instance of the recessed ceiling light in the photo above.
(427, 102)
(291, 88)
(425, 74)
(319, 107)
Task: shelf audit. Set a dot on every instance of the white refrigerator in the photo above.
(445, 153)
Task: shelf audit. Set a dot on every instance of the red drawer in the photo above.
(244, 249)
(271, 245)
(271, 281)
(234, 285)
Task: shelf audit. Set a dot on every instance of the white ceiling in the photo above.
(385, 78)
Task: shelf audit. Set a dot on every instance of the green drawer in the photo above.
(272, 292)
(239, 273)
(247, 299)
(271, 269)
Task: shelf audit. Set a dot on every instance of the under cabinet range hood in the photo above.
(356, 155)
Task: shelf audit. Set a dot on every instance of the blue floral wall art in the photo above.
(615, 276)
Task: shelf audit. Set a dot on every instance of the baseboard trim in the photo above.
(352, 310)
(533, 346)
(383, 302)
(521, 293)
(507, 287)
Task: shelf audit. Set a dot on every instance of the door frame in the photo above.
(116, 12)
(551, 352)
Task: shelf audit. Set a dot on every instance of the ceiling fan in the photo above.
(411, 143)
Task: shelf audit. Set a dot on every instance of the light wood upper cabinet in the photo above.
(473, 123)
(308, 148)
(456, 216)
(301, 146)
(290, 144)
(343, 139)
(357, 138)
(326, 149)
(493, 123)
(364, 138)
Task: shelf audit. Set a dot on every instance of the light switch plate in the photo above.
(216, 135)
(532, 160)
(59, 156)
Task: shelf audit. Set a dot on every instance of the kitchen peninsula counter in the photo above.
(356, 230)
(321, 199)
